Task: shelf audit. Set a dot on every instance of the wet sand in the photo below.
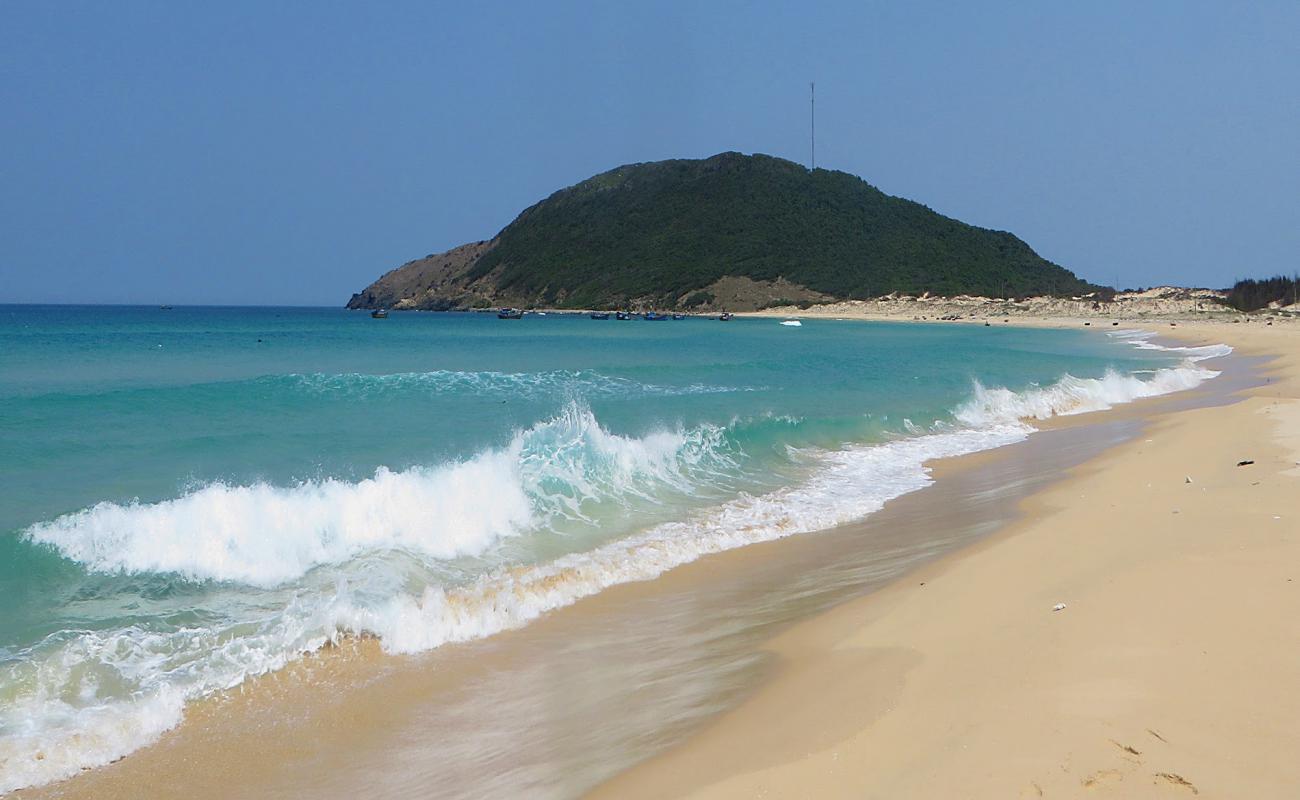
(1169, 672)
(568, 702)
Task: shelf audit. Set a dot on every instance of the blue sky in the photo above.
(290, 153)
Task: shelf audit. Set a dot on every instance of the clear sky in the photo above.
(290, 153)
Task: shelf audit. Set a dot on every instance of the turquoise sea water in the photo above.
(194, 495)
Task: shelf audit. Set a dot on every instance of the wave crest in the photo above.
(1071, 395)
(265, 535)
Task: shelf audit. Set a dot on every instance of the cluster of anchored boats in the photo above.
(649, 316)
(518, 313)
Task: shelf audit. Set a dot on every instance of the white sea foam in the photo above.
(265, 535)
(1143, 341)
(851, 484)
(46, 739)
(1071, 395)
(84, 699)
(334, 550)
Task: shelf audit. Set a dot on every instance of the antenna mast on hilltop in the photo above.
(812, 120)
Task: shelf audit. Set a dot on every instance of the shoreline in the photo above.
(334, 669)
(1159, 677)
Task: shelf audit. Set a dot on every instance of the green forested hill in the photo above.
(664, 232)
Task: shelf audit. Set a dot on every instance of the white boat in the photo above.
(793, 323)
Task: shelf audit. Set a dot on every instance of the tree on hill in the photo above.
(1252, 295)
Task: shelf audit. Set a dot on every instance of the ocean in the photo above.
(193, 496)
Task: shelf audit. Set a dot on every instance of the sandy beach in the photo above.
(1134, 634)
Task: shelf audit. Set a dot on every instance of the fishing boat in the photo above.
(679, 316)
(654, 316)
(726, 317)
(510, 313)
(623, 315)
(600, 315)
(379, 313)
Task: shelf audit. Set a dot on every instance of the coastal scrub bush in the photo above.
(1252, 295)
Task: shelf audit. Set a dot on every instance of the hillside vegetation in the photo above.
(668, 233)
(1252, 295)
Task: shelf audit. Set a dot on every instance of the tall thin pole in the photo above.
(812, 117)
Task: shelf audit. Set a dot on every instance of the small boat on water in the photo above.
(510, 313)
(379, 313)
(792, 323)
(600, 315)
(654, 316)
(623, 315)
(679, 316)
(726, 317)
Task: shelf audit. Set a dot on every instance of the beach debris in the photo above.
(1245, 463)
(1158, 736)
(1188, 479)
(1130, 750)
(1101, 777)
(1177, 780)
(1059, 607)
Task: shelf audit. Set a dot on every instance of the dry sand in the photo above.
(1173, 669)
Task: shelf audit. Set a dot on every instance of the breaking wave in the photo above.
(1071, 395)
(265, 535)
